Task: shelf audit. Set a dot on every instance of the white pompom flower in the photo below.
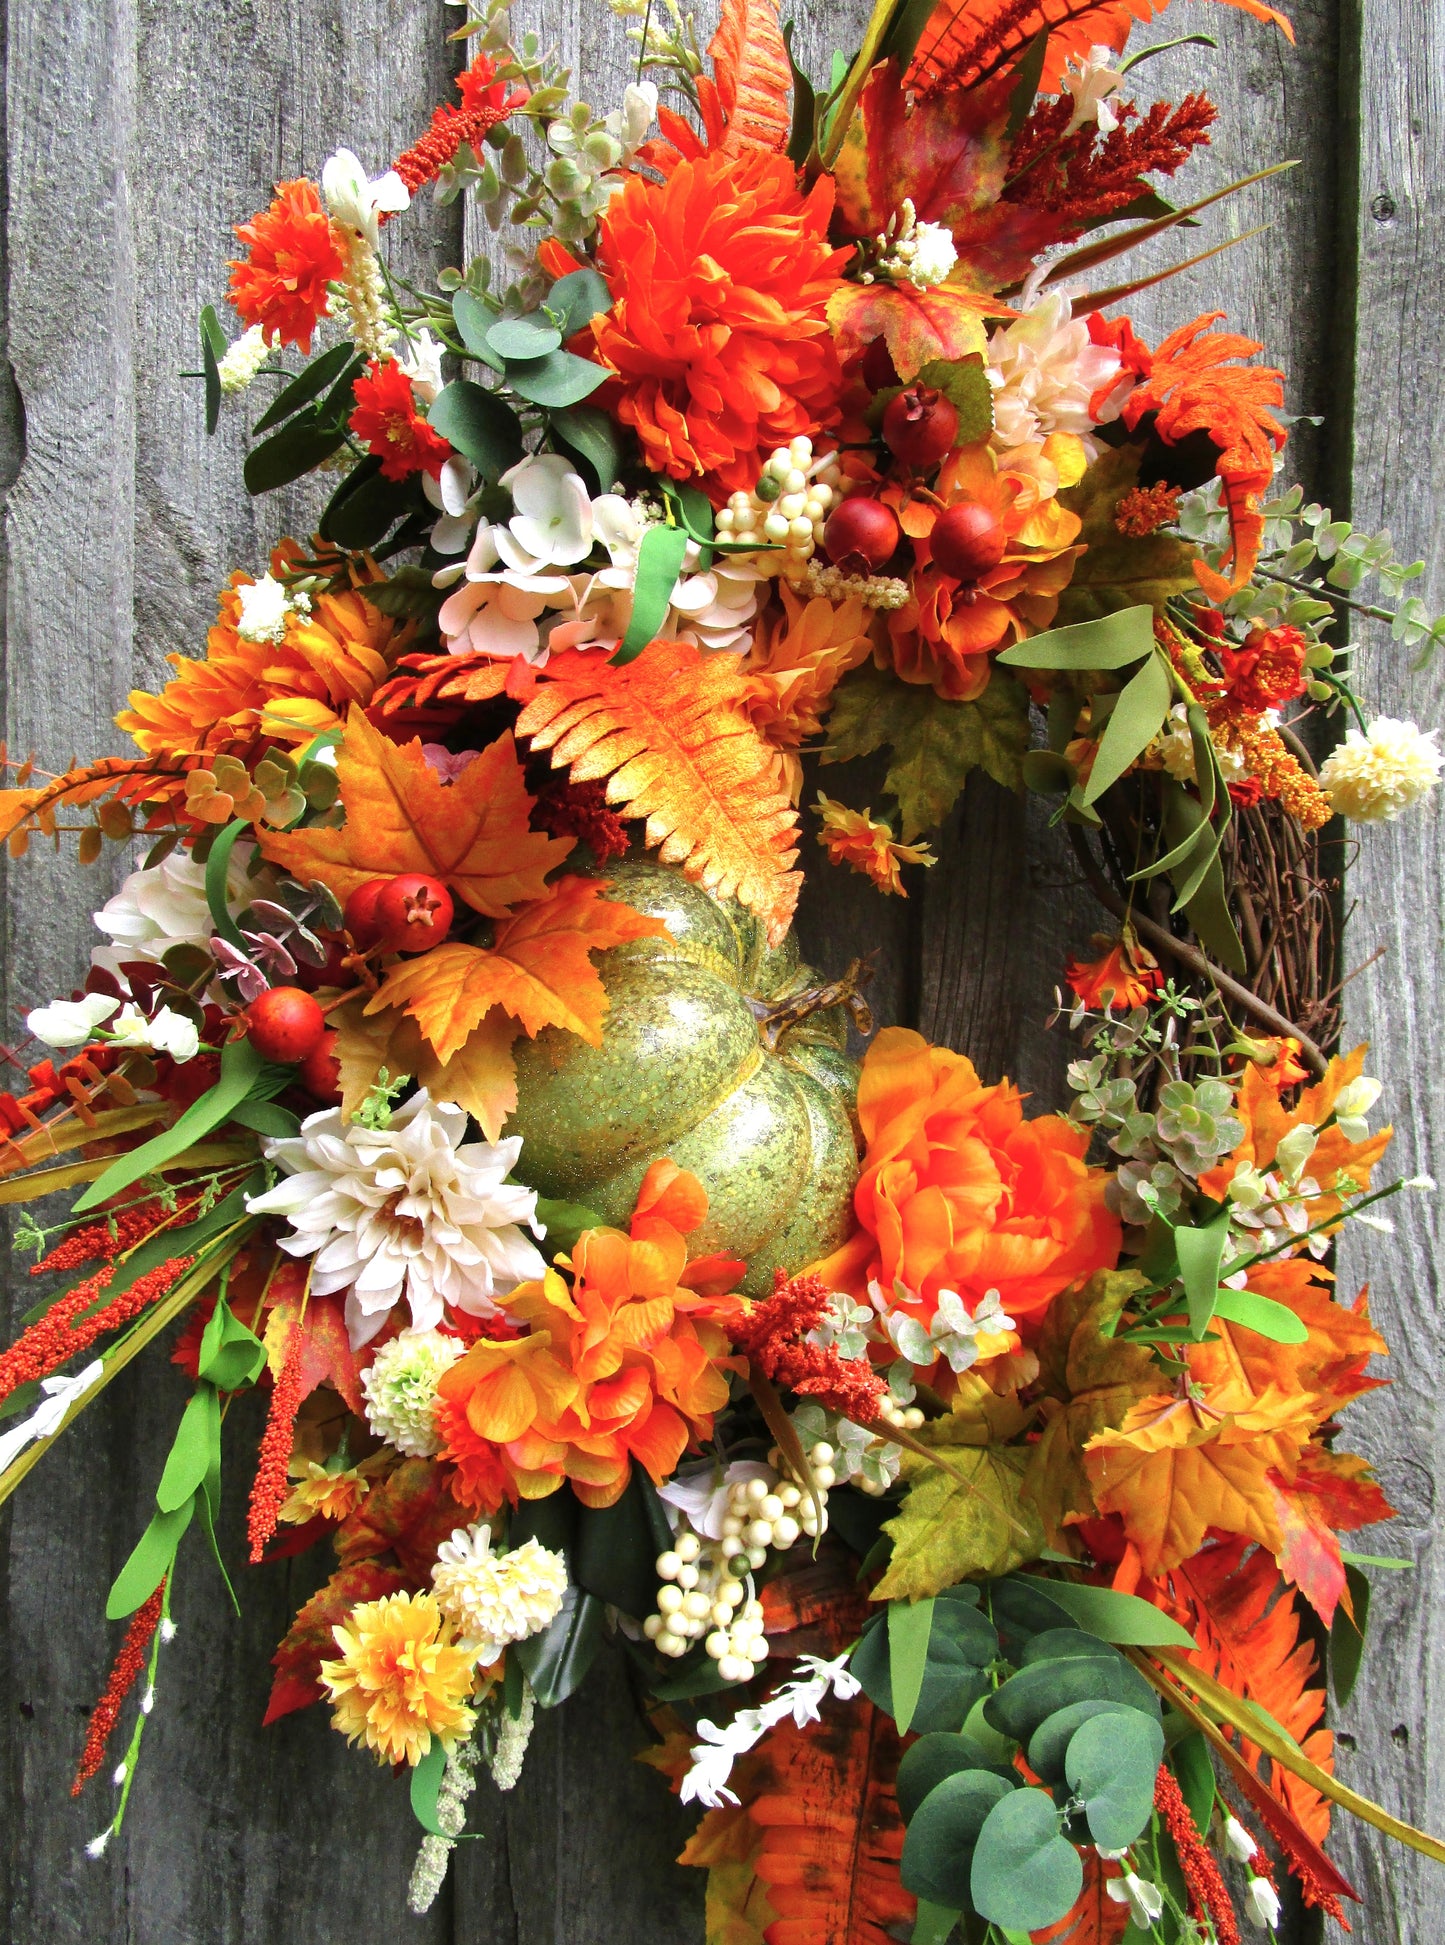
(492, 1599)
(412, 1210)
(1376, 775)
(401, 1389)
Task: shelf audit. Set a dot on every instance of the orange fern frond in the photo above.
(966, 41)
(670, 735)
(754, 76)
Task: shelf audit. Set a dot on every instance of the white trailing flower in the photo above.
(493, 1599)
(1375, 776)
(239, 365)
(802, 1699)
(358, 201)
(1091, 81)
(168, 1033)
(401, 1389)
(70, 1023)
(1044, 369)
(166, 905)
(409, 1211)
(57, 1397)
(266, 607)
(1353, 1104)
(1237, 1841)
(1145, 1901)
(1261, 1903)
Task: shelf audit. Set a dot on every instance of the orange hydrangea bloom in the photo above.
(1123, 976)
(626, 1364)
(800, 653)
(294, 253)
(867, 844)
(247, 692)
(719, 333)
(959, 1192)
(944, 633)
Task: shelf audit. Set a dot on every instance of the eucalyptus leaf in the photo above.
(1024, 1875)
(559, 379)
(523, 337)
(938, 1849)
(1112, 1763)
(1049, 1743)
(482, 426)
(574, 300)
(929, 1760)
(474, 320)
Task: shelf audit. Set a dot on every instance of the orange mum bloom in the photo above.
(1124, 976)
(246, 693)
(857, 838)
(294, 254)
(387, 421)
(719, 333)
(625, 1365)
(959, 1192)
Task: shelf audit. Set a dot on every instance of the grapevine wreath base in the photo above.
(965, 1482)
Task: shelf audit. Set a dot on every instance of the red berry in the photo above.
(967, 540)
(861, 535)
(285, 1024)
(321, 1071)
(359, 916)
(879, 370)
(920, 426)
(413, 912)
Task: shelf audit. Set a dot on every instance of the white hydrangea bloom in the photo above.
(1044, 370)
(412, 1210)
(1375, 776)
(266, 607)
(166, 905)
(492, 1599)
(401, 1389)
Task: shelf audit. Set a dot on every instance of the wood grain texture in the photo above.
(135, 133)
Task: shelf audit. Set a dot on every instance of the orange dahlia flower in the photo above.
(718, 333)
(1123, 976)
(626, 1364)
(387, 422)
(944, 633)
(246, 693)
(294, 253)
(959, 1192)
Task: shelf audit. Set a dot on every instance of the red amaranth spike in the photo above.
(1208, 1895)
(270, 1487)
(773, 1336)
(127, 1665)
(485, 103)
(65, 1329)
(99, 1242)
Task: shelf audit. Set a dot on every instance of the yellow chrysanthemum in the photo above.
(866, 844)
(400, 1678)
(333, 1495)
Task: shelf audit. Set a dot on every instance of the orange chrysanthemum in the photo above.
(799, 655)
(867, 844)
(718, 333)
(246, 693)
(293, 254)
(387, 422)
(944, 633)
(1123, 976)
(400, 1678)
(624, 1365)
(959, 1192)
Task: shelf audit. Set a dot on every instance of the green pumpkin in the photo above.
(684, 1070)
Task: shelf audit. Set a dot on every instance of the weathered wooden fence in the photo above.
(136, 132)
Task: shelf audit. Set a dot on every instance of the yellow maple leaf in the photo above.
(481, 1077)
(670, 733)
(473, 833)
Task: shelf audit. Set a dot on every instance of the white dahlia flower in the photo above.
(1374, 776)
(401, 1389)
(495, 1598)
(1044, 369)
(410, 1210)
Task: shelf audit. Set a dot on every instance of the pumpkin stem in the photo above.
(777, 1017)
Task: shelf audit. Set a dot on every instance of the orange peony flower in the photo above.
(400, 1679)
(797, 659)
(624, 1365)
(387, 421)
(1124, 976)
(857, 838)
(959, 1192)
(246, 693)
(943, 634)
(719, 334)
(294, 253)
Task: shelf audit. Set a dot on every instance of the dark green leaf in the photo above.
(266, 1118)
(909, 1625)
(556, 1661)
(1112, 1762)
(1049, 1743)
(576, 299)
(523, 337)
(617, 1548)
(564, 1223)
(1119, 1617)
(298, 448)
(552, 1521)
(1112, 642)
(659, 562)
(218, 864)
(939, 1847)
(482, 427)
(1262, 1315)
(1208, 908)
(1063, 1644)
(934, 1922)
(1026, 78)
(407, 596)
(149, 1563)
(310, 383)
(1193, 1769)
(1024, 1874)
(1048, 774)
(805, 102)
(1200, 1249)
(1134, 722)
(231, 1355)
(560, 378)
(213, 348)
(1026, 1699)
(366, 506)
(1347, 1637)
(928, 1761)
(1021, 1605)
(474, 320)
(589, 434)
(198, 1437)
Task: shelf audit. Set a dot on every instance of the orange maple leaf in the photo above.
(1331, 1493)
(671, 735)
(326, 1353)
(309, 1639)
(538, 969)
(480, 1077)
(473, 833)
(754, 76)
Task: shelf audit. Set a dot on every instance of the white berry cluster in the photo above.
(839, 1450)
(789, 505)
(873, 590)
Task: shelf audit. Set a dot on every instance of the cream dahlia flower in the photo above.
(495, 1598)
(1374, 776)
(410, 1210)
(166, 905)
(401, 1389)
(1044, 370)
